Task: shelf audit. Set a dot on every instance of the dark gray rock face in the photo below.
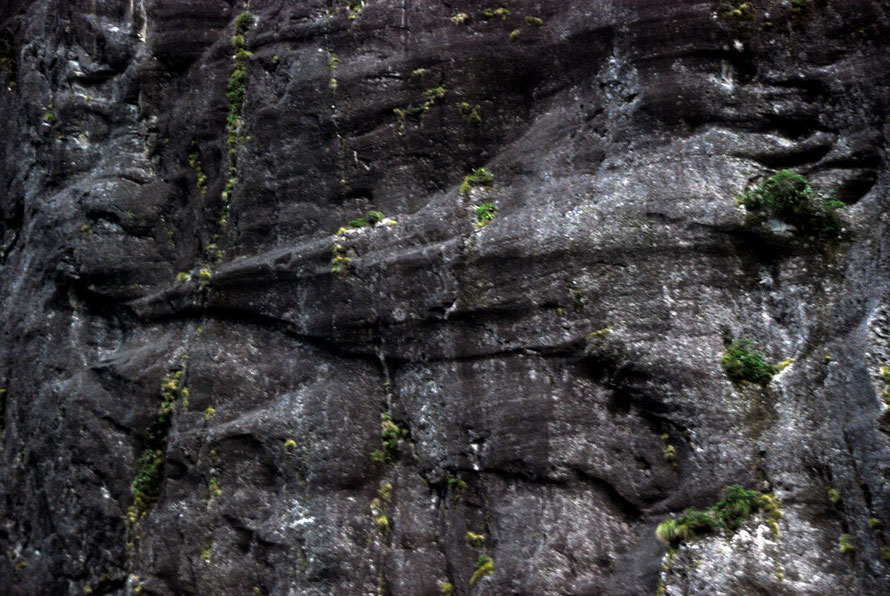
(209, 387)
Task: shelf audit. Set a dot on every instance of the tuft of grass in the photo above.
(478, 178)
(534, 21)
(845, 546)
(474, 540)
(484, 566)
(514, 35)
(742, 363)
(835, 496)
(485, 214)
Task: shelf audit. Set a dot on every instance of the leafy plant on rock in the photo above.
(742, 363)
(485, 214)
(737, 505)
(789, 197)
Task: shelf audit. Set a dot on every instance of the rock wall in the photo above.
(213, 384)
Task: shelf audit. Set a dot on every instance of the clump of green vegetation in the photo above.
(213, 489)
(845, 546)
(470, 113)
(446, 589)
(204, 276)
(498, 12)
(369, 220)
(235, 94)
(333, 64)
(49, 117)
(737, 505)
(599, 334)
(478, 178)
(383, 524)
(534, 21)
(416, 113)
(742, 363)
(244, 22)
(877, 528)
(514, 35)
(147, 484)
(150, 465)
(791, 198)
(835, 496)
(743, 11)
(474, 540)
(435, 94)
(885, 554)
(457, 488)
(669, 452)
(339, 261)
(484, 566)
(183, 277)
(485, 214)
(419, 72)
(799, 5)
(290, 445)
(379, 506)
(194, 158)
(391, 433)
(461, 18)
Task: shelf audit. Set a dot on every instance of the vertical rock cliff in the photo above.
(444, 297)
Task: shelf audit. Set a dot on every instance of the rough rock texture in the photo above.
(151, 224)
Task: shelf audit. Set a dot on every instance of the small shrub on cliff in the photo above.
(369, 220)
(791, 198)
(737, 505)
(244, 22)
(743, 364)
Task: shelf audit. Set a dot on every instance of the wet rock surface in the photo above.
(211, 383)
